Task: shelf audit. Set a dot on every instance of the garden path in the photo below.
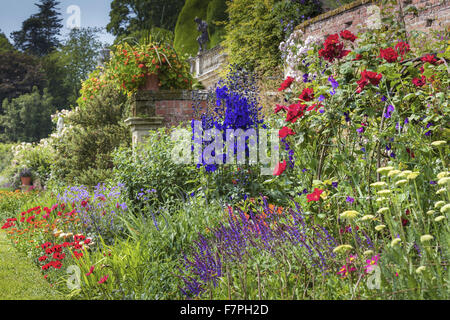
(19, 278)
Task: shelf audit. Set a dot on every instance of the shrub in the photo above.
(91, 134)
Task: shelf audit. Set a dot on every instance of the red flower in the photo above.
(315, 107)
(103, 280)
(402, 48)
(84, 203)
(286, 83)
(347, 35)
(366, 77)
(285, 131)
(91, 270)
(78, 237)
(279, 169)
(278, 108)
(411, 154)
(43, 258)
(389, 54)
(307, 94)
(358, 57)
(333, 49)
(315, 196)
(419, 82)
(59, 256)
(295, 112)
(30, 218)
(429, 58)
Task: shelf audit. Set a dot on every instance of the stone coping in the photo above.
(334, 12)
(162, 95)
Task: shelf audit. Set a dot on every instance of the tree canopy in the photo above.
(127, 16)
(39, 33)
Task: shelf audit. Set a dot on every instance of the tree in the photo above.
(255, 30)
(39, 33)
(19, 72)
(28, 117)
(216, 16)
(5, 45)
(127, 16)
(81, 52)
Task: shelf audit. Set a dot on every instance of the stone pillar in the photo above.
(140, 127)
(143, 116)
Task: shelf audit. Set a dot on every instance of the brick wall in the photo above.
(175, 111)
(360, 15)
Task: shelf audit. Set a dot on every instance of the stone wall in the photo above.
(207, 65)
(163, 108)
(365, 14)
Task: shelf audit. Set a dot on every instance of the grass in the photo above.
(19, 278)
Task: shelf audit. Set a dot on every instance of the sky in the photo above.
(93, 13)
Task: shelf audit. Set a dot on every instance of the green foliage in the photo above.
(5, 45)
(155, 35)
(92, 133)
(131, 16)
(186, 29)
(27, 118)
(142, 170)
(216, 17)
(80, 54)
(39, 33)
(6, 155)
(19, 73)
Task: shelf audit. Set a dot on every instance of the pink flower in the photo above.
(279, 169)
(285, 131)
(90, 270)
(103, 280)
(371, 263)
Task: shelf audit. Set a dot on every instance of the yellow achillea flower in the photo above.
(378, 184)
(420, 269)
(367, 217)
(441, 190)
(439, 204)
(445, 208)
(384, 192)
(393, 173)
(385, 169)
(401, 182)
(349, 215)
(439, 219)
(381, 210)
(444, 180)
(380, 227)
(442, 174)
(426, 237)
(342, 248)
(412, 175)
(430, 212)
(438, 143)
(381, 199)
(368, 252)
(395, 242)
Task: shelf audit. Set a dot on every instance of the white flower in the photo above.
(442, 174)
(342, 248)
(430, 212)
(349, 215)
(441, 190)
(412, 175)
(444, 180)
(368, 252)
(382, 210)
(420, 269)
(384, 192)
(445, 208)
(380, 227)
(439, 219)
(378, 184)
(395, 242)
(426, 237)
(401, 182)
(384, 169)
(438, 143)
(393, 173)
(439, 204)
(367, 217)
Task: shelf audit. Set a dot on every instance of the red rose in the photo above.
(285, 131)
(315, 196)
(286, 83)
(366, 77)
(333, 49)
(419, 82)
(389, 54)
(278, 108)
(307, 94)
(347, 35)
(279, 169)
(295, 112)
(429, 58)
